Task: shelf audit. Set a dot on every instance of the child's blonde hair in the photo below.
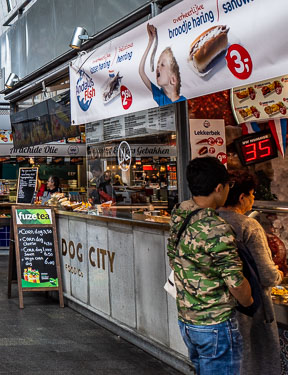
(174, 67)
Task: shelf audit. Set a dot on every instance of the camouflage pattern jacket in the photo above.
(206, 263)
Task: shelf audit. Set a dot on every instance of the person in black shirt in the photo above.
(53, 185)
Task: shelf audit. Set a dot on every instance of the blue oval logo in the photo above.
(84, 90)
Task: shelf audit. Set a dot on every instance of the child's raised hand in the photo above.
(151, 30)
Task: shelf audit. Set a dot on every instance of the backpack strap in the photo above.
(185, 223)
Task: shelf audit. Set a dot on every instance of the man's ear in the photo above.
(241, 196)
(219, 188)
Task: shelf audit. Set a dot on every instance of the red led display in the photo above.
(255, 148)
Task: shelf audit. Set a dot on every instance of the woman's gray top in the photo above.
(261, 353)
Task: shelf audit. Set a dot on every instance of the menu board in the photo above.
(263, 100)
(36, 248)
(37, 257)
(27, 184)
(150, 121)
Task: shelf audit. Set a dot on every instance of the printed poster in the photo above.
(189, 50)
(207, 138)
(265, 100)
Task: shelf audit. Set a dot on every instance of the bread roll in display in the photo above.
(207, 46)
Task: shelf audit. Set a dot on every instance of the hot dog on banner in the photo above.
(211, 47)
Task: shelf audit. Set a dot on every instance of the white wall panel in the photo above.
(150, 274)
(122, 282)
(97, 238)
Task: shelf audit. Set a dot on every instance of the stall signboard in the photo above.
(214, 43)
(35, 245)
(137, 151)
(207, 138)
(27, 185)
(265, 100)
(59, 149)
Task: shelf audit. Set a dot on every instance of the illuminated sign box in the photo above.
(256, 148)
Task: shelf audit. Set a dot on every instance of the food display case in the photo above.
(273, 216)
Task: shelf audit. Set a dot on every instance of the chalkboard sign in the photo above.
(27, 185)
(36, 249)
(37, 257)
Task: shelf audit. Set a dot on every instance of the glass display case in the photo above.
(273, 216)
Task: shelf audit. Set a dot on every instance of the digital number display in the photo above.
(256, 148)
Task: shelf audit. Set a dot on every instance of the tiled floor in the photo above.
(45, 339)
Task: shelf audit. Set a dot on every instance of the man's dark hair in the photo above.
(204, 174)
(244, 182)
(56, 181)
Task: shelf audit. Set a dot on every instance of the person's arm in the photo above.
(151, 35)
(242, 293)
(256, 241)
(229, 265)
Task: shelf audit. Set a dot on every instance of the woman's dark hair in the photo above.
(244, 182)
(55, 180)
(204, 174)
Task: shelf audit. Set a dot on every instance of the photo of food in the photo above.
(5, 159)
(207, 47)
(57, 160)
(249, 112)
(203, 150)
(40, 160)
(274, 109)
(76, 161)
(248, 93)
(270, 88)
(112, 87)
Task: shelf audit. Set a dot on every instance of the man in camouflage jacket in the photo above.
(208, 273)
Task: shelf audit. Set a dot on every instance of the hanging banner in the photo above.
(207, 138)
(184, 52)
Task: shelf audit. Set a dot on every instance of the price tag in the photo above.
(126, 97)
(222, 157)
(239, 61)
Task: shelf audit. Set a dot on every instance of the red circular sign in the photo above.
(126, 97)
(219, 141)
(211, 141)
(222, 157)
(239, 61)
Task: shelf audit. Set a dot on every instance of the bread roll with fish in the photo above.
(208, 46)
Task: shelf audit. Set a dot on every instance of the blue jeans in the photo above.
(214, 349)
